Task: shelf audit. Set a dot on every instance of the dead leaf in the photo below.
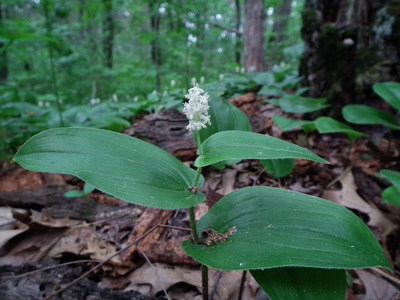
(376, 287)
(151, 280)
(348, 197)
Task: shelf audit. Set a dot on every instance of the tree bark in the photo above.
(349, 45)
(3, 50)
(108, 33)
(155, 43)
(254, 36)
(281, 20)
(238, 42)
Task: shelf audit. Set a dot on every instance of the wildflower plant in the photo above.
(296, 246)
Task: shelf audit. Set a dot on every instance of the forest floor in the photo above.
(86, 248)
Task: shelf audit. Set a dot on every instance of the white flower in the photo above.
(196, 109)
(173, 83)
(193, 80)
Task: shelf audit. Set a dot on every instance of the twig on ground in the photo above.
(48, 268)
(112, 256)
(155, 272)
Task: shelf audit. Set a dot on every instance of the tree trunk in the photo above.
(254, 36)
(349, 45)
(155, 43)
(3, 51)
(108, 33)
(238, 42)
(281, 20)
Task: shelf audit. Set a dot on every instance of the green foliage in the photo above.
(302, 283)
(235, 144)
(224, 116)
(390, 92)
(287, 124)
(281, 228)
(392, 194)
(122, 166)
(300, 105)
(278, 168)
(87, 189)
(329, 125)
(365, 115)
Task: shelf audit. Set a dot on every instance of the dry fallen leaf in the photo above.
(153, 279)
(347, 196)
(376, 287)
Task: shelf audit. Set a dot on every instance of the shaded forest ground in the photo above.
(48, 241)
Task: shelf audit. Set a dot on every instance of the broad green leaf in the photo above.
(125, 167)
(391, 195)
(74, 194)
(235, 144)
(224, 116)
(287, 124)
(281, 228)
(300, 105)
(393, 176)
(278, 167)
(302, 283)
(365, 115)
(390, 92)
(329, 125)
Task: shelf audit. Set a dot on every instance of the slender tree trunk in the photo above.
(281, 20)
(254, 35)
(3, 50)
(155, 44)
(108, 33)
(349, 45)
(238, 42)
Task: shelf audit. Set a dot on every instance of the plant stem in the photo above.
(204, 280)
(192, 219)
(242, 281)
(193, 225)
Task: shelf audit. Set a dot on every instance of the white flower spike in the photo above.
(196, 109)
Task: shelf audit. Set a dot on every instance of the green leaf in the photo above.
(300, 105)
(224, 116)
(329, 125)
(391, 196)
(278, 167)
(287, 124)
(393, 176)
(281, 228)
(125, 167)
(302, 283)
(88, 188)
(365, 115)
(74, 194)
(249, 145)
(390, 92)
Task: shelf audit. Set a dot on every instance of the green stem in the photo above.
(193, 225)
